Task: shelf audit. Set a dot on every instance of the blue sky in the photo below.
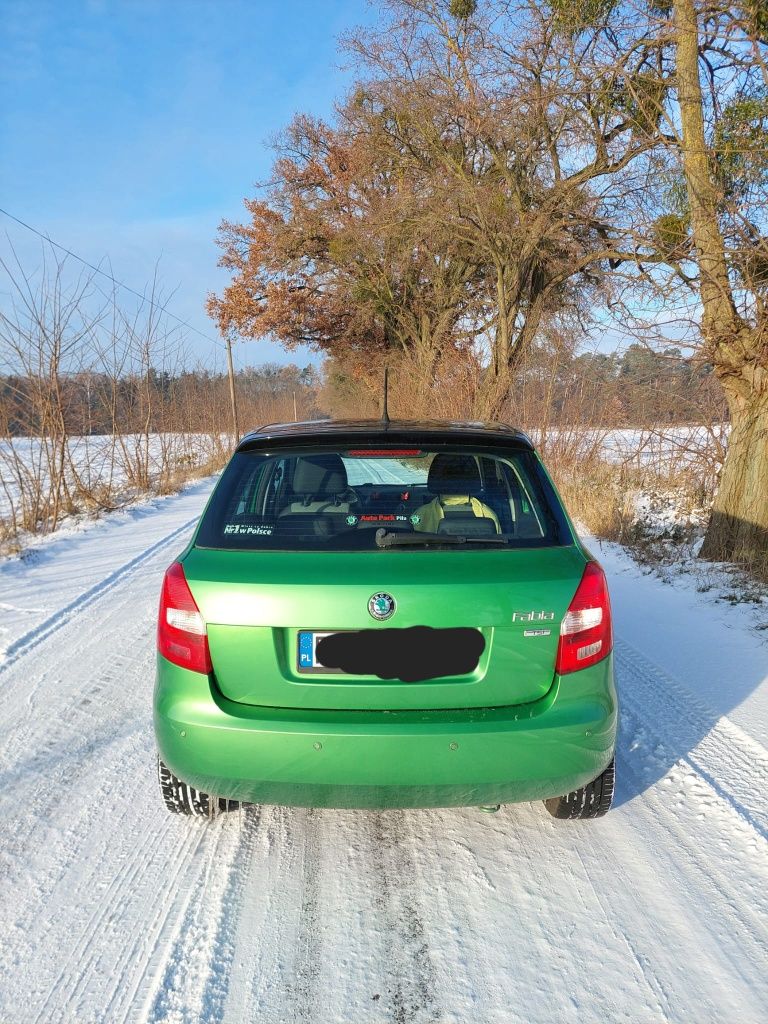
(130, 128)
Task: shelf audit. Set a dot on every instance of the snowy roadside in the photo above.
(686, 623)
(60, 570)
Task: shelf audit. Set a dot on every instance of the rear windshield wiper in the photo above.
(395, 540)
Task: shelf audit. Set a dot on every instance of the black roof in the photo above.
(398, 431)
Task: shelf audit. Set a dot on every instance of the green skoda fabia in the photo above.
(385, 614)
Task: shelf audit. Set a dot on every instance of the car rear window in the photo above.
(358, 497)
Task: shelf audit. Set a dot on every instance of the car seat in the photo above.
(455, 481)
(319, 486)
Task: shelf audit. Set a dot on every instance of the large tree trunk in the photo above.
(738, 528)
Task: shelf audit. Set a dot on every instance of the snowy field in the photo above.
(113, 911)
(664, 447)
(668, 448)
(96, 463)
(105, 462)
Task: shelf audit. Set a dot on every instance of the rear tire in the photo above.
(590, 801)
(179, 798)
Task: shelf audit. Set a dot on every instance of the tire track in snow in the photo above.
(88, 892)
(514, 878)
(75, 703)
(309, 937)
(220, 968)
(645, 968)
(411, 980)
(92, 740)
(80, 733)
(183, 936)
(155, 935)
(44, 811)
(733, 764)
(438, 862)
(684, 872)
(260, 980)
(145, 936)
(188, 976)
(34, 637)
(126, 913)
(75, 967)
(72, 718)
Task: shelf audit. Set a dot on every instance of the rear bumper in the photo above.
(382, 759)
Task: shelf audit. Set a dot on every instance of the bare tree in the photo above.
(91, 409)
(43, 334)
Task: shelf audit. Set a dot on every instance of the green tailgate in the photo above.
(255, 602)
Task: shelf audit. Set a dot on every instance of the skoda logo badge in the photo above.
(382, 606)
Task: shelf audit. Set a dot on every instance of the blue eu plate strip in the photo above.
(306, 650)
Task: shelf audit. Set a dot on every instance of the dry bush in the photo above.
(174, 478)
(659, 516)
(91, 412)
(594, 496)
(9, 539)
(353, 387)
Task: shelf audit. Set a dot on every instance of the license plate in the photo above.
(410, 655)
(306, 658)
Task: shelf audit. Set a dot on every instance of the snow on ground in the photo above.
(96, 462)
(689, 628)
(59, 572)
(666, 447)
(113, 911)
(669, 446)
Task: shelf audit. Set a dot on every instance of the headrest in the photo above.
(454, 474)
(319, 474)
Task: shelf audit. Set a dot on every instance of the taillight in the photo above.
(181, 634)
(586, 636)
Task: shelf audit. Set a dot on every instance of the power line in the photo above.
(120, 284)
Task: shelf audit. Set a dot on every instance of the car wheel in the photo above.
(180, 798)
(590, 801)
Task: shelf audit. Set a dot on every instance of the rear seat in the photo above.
(320, 491)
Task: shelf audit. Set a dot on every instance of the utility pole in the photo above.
(232, 395)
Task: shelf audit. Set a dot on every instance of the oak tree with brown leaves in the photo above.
(462, 197)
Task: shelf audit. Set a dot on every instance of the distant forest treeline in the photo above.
(553, 387)
(635, 387)
(644, 386)
(190, 401)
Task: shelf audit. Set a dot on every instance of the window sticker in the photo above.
(248, 529)
(383, 517)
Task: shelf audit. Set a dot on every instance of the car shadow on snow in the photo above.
(702, 625)
(663, 724)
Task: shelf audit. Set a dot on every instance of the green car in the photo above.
(385, 614)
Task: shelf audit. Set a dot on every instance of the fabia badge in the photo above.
(381, 606)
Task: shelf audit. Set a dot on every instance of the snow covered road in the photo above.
(113, 911)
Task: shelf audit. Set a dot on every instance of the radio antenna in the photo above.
(384, 411)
